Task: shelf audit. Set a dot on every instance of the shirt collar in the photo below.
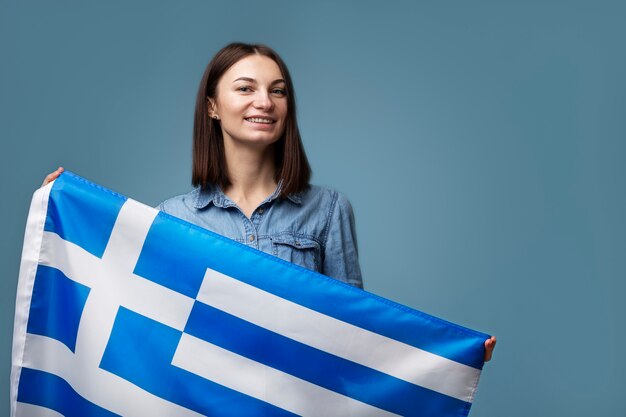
(214, 194)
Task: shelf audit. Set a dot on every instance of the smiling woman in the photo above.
(251, 171)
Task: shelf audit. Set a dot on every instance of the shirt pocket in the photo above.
(299, 250)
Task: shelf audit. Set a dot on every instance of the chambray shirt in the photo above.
(314, 228)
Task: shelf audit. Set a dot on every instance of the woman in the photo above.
(251, 172)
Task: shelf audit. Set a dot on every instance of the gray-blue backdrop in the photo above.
(482, 145)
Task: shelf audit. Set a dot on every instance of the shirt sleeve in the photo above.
(340, 252)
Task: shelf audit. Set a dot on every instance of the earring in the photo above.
(216, 117)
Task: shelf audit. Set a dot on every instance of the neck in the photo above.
(251, 171)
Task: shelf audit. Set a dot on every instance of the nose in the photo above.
(263, 101)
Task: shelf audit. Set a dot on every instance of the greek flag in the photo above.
(123, 310)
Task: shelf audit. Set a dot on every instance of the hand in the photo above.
(490, 344)
(52, 176)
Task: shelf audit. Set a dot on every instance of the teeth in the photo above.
(259, 120)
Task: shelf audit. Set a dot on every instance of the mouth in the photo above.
(263, 120)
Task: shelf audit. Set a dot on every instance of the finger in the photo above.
(490, 344)
(52, 176)
(47, 180)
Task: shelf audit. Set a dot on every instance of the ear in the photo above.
(211, 109)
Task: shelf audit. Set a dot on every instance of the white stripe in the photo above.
(28, 268)
(96, 385)
(265, 383)
(30, 410)
(128, 235)
(339, 338)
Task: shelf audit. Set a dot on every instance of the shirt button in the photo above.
(251, 238)
(261, 210)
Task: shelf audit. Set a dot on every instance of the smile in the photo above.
(260, 120)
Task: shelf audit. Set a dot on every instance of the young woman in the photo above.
(251, 172)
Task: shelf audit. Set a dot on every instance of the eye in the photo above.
(244, 89)
(281, 92)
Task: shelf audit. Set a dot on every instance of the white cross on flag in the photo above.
(123, 310)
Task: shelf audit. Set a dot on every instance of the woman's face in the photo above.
(251, 102)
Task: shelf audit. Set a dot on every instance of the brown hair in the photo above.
(209, 160)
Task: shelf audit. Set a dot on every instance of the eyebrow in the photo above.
(252, 80)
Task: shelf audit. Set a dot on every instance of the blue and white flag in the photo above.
(125, 310)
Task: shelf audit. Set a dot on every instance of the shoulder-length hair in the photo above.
(209, 161)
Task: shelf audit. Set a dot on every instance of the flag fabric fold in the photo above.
(122, 310)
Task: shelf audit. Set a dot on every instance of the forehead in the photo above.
(258, 67)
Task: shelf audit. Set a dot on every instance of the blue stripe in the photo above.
(50, 391)
(71, 198)
(304, 287)
(56, 306)
(180, 267)
(320, 368)
(140, 350)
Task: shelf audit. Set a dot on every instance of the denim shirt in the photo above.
(314, 228)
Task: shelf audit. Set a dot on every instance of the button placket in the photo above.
(257, 216)
(251, 234)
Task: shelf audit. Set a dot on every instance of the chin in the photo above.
(258, 141)
(263, 137)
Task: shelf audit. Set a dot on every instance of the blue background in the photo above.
(482, 145)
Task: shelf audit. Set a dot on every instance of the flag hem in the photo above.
(33, 238)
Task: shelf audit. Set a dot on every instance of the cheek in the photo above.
(283, 120)
(283, 110)
(232, 105)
